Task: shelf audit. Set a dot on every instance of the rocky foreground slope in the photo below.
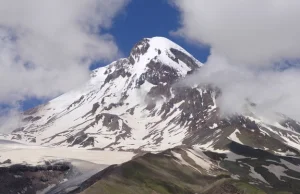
(189, 170)
(136, 104)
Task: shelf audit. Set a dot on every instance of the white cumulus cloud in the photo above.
(46, 47)
(254, 32)
(250, 41)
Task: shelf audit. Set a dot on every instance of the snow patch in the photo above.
(233, 137)
(279, 171)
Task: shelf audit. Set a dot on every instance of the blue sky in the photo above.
(141, 19)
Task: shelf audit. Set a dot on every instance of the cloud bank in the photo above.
(46, 47)
(255, 51)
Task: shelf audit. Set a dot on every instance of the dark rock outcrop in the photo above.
(30, 179)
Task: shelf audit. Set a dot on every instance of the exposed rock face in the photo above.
(181, 56)
(139, 49)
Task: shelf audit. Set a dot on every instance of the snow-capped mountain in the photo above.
(134, 103)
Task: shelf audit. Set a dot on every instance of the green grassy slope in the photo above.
(162, 174)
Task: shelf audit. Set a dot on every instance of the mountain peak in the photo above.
(160, 50)
(156, 44)
(162, 42)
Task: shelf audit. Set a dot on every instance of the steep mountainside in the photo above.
(135, 104)
(124, 105)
